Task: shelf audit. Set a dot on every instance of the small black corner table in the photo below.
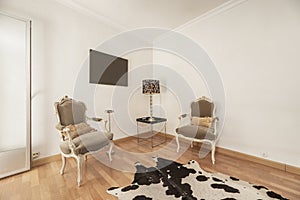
(146, 135)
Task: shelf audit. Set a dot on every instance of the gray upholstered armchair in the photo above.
(78, 138)
(202, 124)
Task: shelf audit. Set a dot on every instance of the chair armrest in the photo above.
(214, 124)
(182, 116)
(59, 127)
(96, 119)
(72, 146)
(215, 119)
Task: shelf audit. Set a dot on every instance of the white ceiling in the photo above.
(144, 13)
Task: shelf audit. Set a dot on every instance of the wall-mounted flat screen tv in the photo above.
(108, 69)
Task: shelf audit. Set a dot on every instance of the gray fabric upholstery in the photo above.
(197, 132)
(71, 112)
(88, 142)
(201, 125)
(202, 108)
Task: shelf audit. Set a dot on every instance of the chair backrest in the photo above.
(202, 107)
(70, 111)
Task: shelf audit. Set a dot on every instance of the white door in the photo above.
(14, 95)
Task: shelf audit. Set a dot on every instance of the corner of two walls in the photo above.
(180, 84)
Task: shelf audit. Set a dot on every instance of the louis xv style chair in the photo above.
(202, 126)
(78, 139)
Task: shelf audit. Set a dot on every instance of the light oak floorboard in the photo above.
(45, 182)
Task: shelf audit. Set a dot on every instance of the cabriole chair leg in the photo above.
(79, 170)
(110, 150)
(177, 141)
(213, 149)
(63, 159)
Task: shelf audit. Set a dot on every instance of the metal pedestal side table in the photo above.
(151, 121)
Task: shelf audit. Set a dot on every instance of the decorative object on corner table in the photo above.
(151, 87)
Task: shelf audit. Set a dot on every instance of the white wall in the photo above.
(255, 47)
(61, 39)
(181, 84)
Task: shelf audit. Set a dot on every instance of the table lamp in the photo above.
(151, 87)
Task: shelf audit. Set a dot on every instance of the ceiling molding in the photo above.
(104, 19)
(211, 13)
(121, 28)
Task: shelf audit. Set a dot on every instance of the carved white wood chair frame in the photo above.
(211, 134)
(66, 137)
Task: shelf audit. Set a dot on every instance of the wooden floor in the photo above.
(45, 182)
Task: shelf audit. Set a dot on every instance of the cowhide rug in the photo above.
(172, 180)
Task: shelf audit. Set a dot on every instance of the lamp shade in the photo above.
(151, 86)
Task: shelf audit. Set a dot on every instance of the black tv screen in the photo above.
(108, 69)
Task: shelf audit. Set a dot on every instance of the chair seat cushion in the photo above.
(79, 129)
(197, 132)
(88, 142)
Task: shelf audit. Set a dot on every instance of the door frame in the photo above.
(28, 62)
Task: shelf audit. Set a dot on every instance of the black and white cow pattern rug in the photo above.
(172, 180)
